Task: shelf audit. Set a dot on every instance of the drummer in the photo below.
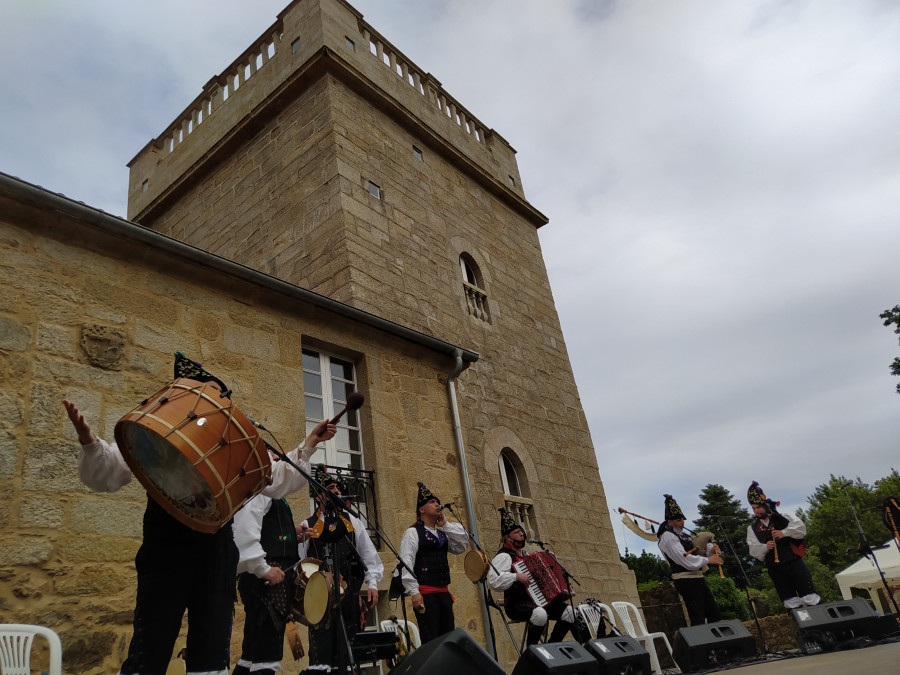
(179, 568)
(424, 548)
(519, 605)
(267, 545)
(333, 534)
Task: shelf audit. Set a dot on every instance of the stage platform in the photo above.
(882, 657)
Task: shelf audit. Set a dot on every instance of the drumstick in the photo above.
(354, 402)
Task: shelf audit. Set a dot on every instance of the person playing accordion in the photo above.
(518, 603)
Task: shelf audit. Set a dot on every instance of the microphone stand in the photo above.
(566, 576)
(750, 603)
(335, 502)
(330, 503)
(484, 589)
(866, 550)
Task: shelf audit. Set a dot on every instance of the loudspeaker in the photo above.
(621, 655)
(834, 622)
(450, 654)
(710, 644)
(558, 658)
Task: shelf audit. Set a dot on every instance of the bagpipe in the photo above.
(778, 522)
(701, 539)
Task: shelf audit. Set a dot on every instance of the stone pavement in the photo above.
(883, 657)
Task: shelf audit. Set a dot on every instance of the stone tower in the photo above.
(324, 157)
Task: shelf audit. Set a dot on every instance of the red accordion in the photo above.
(546, 579)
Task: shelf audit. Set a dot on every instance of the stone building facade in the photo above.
(322, 194)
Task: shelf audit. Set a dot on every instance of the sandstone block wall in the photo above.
(96, 319)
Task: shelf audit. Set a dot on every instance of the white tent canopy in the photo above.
(864, 574)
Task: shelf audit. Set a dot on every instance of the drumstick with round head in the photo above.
(354, 402)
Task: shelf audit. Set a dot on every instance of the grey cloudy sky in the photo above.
(722, 179)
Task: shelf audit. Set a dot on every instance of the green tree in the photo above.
(829, 520)
(892, 316)
(647, 567)
(724, 515)
(731, 600)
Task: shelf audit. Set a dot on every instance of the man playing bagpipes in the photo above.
(687, 567)
(777, 540)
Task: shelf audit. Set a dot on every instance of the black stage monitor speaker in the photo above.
(453, 653)
(620, 656)
(711, 644)
(558, 658)
(834, 622)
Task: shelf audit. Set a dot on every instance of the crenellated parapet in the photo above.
(311, 37)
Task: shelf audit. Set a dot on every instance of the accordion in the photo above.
(545, 577)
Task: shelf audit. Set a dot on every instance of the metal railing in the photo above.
(359, 485)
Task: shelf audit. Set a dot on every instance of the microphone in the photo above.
(255, 423)
(536, 541)
(446, 506)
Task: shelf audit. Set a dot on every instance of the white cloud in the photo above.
(722, 179)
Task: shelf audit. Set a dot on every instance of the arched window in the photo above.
(468, 271)
(515, 491)
(508, 476)
(473, 287)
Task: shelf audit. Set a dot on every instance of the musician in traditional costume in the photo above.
(424, 548)
(518, 604)
(333, 534)
(267, 543)
(687, 566)
(777, 540)
(180, 569)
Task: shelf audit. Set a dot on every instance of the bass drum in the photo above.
(476, 566)
(195, 453)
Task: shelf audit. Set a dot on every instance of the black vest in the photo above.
(278, 536)
(337, 543)
(688, 545)
(431, 565)
(764, 535)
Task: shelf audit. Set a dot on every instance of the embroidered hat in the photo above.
(507, 523)
(757, 497)
(192, 370)
(425, 496)
(673, 511)
(322, 476)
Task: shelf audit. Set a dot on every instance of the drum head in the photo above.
(476, 566)
(310, 566)
(170, 471)
(315, 600)
(195, 453)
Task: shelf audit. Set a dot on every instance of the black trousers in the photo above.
(263, 641)
(554, 611)
(698, 600)
(180, 571)
(791, 579)
(327, 645)
(438, 616)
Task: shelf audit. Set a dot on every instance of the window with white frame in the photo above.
(473, 287)
(327, 382)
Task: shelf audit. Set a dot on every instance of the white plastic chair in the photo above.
(633, 623)
(397, 625)
(15, 648)
(592, 613)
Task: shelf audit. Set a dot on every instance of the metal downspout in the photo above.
(467, 486)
